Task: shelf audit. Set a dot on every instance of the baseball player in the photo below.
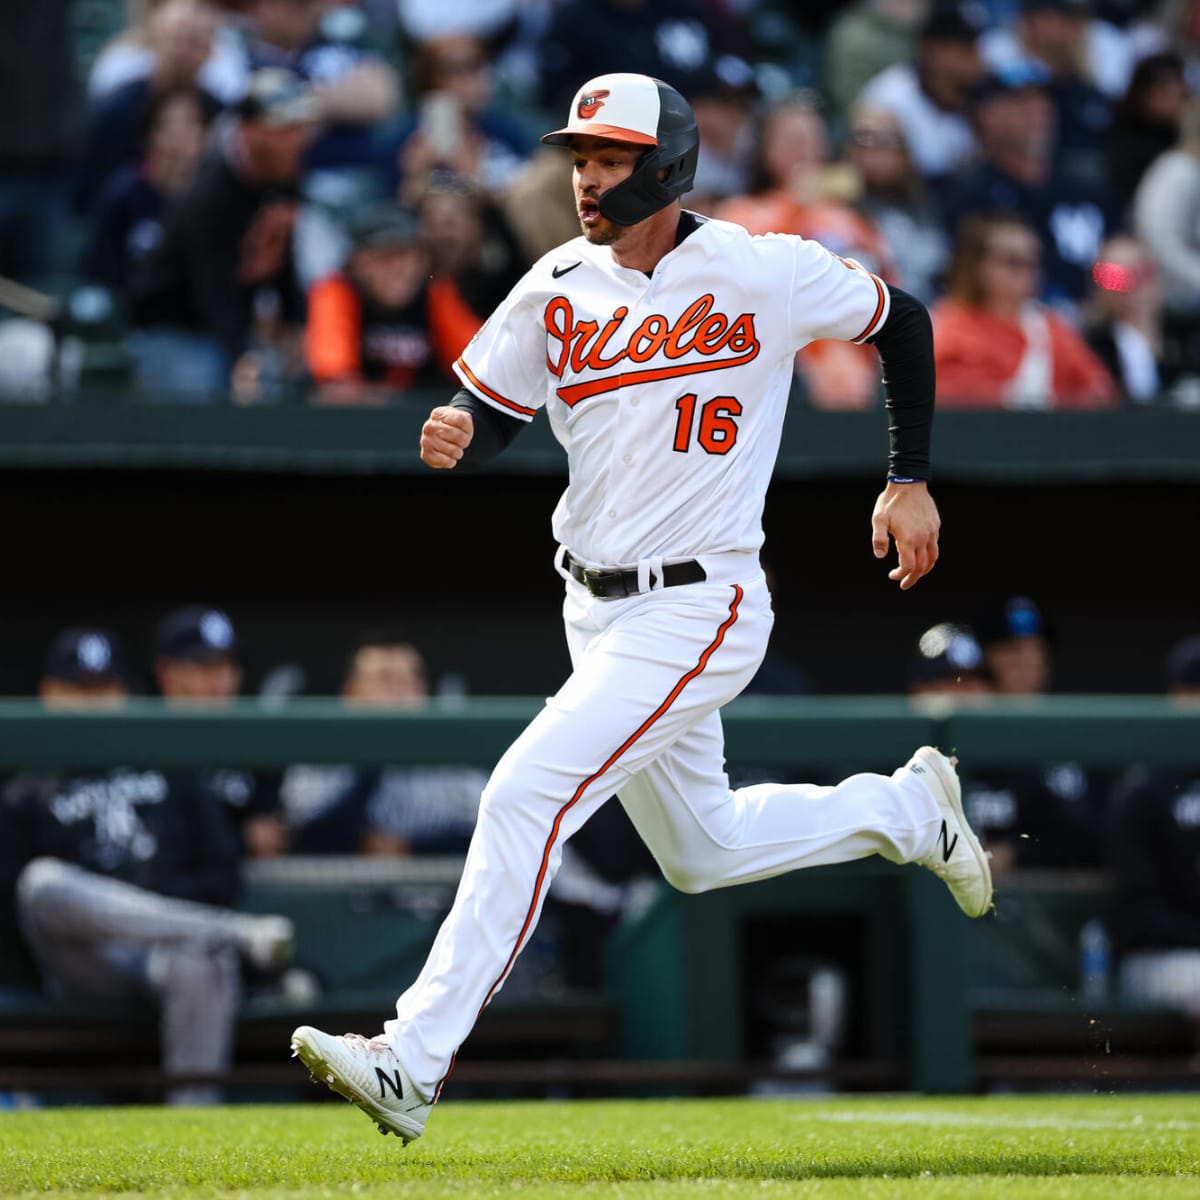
(661, 346)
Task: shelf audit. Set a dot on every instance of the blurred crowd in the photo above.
(321, 201)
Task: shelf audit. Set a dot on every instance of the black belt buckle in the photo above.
(604, 585)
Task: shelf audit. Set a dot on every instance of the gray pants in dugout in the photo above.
(102, 939)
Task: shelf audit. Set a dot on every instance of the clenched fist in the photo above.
(445, 436)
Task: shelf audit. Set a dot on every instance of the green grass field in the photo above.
(1012, 1146)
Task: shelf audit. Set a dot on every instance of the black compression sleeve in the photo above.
(905, 345)
(493, 430)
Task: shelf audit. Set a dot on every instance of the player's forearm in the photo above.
(905, 345)
(493, 430)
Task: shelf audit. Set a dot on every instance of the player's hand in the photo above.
(445, 436)
(906, 513)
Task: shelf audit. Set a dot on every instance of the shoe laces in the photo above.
(376, 1044)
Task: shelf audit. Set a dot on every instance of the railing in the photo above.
(863, 731)
(97, 429)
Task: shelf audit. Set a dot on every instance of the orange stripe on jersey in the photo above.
(493, 395)
(672, 696)
(573, 393)
(879, 306)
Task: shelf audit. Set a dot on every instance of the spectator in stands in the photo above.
(196, 664)
(1164, 218)
(124, 883)
(39, 131)
(724, 101)
(1146, 122)
(456, 124)
(1015, 123)
(896, 200)
(1124, 326)
(796, 191)
(470, 242)
(412, 809)
(383, 325)
(675, 40)
(181, 35)
(131, 56)
(353, 88)
(929, 95)
(994, 345)
(539, 203)
(867, 38)
(1053, 35)
(948, 661)
(1052, 816)
(226, 250)
(1155, 856)
(128, 218)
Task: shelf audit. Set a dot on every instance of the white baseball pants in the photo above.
(639, 717)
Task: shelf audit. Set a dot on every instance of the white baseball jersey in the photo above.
(668, 390)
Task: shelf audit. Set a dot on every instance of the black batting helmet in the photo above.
(642, 111)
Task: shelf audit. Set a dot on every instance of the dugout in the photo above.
(936, 1002)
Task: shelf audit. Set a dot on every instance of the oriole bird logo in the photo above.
(591, 104)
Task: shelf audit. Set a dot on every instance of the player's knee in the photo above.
(39, 877)
(686, 878)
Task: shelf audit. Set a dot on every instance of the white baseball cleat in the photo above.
(957, 858)
(368, 1074)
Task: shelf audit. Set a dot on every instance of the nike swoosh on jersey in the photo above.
(558, 272)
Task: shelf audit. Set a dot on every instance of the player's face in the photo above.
(598, 165)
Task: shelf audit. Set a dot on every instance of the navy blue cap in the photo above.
(963, 22)
(196, 634)
(1072, 8)
(383, 227)
(947, 651)
(1016, 76)
(1183, 663)
(1018, 617)
(85, 654)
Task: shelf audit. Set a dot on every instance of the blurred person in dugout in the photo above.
(948, 663)
(1042, 815)
(197, 665)
(1124, 324)
(383, 324)
(123, 884)
(217, 303)
(1155, 857)
(995, 346)
(797, 190)
(394, 810)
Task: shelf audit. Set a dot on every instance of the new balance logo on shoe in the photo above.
(394, 1083)
(947, 848)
